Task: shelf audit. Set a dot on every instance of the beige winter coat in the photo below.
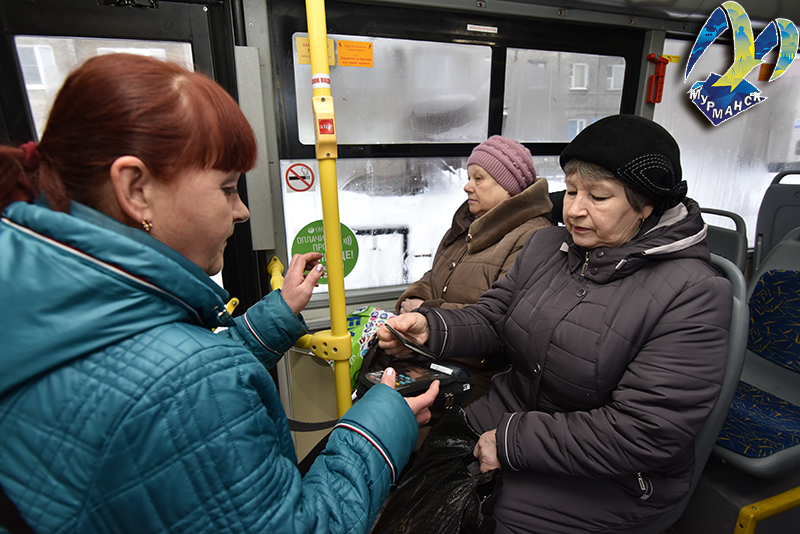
(475, 253)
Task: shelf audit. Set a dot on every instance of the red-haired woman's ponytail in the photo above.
(24, 175)
(16, 180)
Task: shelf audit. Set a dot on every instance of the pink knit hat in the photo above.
(509, 163)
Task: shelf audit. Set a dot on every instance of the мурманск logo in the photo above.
(723, 97)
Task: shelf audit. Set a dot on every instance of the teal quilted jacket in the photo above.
(121, 410)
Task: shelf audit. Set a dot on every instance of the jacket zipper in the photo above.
(585, 264)
(647, 490)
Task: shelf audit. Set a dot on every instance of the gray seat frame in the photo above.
(730, 244)
(704, 442)
(778, 215)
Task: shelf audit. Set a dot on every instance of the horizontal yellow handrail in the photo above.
(751, 514)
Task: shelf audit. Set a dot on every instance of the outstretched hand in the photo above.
(298, 286)
(420, 404)
(413, 326)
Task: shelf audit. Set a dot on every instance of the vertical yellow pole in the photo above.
(326, 155)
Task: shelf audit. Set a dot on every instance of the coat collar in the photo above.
(679, 233)
(487, 230)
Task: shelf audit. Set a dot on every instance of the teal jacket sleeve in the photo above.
(363, 456)
(208, 449)
(268, 329)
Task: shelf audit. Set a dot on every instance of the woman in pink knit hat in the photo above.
(505, 204)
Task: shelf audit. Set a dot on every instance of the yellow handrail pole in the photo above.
(336, 346)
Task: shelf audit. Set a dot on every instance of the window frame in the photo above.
(284, 19)
(38, 57)
(573, 86)
(612, 77)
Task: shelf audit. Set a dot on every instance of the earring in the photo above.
(146, 225)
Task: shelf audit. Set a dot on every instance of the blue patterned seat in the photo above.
(759, 423)
(761, 435)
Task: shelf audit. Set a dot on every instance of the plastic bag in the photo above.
(362, 325)
(444, 492)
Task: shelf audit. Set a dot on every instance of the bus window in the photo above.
(396, 208)
(730, 166)
(46, 61)
(551, 96)
(390, 91)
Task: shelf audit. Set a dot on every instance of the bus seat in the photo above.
(730, 244)
(704, 442)
(779, 213)
(762, 432)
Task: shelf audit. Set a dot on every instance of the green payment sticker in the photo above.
(312, 239)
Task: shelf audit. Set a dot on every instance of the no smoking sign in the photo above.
(299, 178)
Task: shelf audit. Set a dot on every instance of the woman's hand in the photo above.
(486, 451)
(420, 404)
(297, 286)
(409, 305)
(412, 325)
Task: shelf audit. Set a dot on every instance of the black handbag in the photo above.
(444, 491)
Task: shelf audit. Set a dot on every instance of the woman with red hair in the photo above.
(120, 409)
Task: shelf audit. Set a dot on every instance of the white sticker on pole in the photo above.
(320, 81)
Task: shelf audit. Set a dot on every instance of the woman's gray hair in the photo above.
(591, 174)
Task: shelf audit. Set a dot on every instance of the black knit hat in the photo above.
(638, 151)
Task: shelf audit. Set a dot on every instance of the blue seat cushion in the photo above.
(775, 318)
(759, 423)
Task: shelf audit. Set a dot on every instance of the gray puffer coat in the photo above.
(617, 358)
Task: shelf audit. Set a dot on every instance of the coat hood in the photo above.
(678, 233)
(76, 283)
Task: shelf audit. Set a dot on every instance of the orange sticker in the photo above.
(355, 54)
(304, 52)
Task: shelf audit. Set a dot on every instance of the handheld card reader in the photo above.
(415, 374)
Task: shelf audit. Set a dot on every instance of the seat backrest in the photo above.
(737, 343)
(773, 357)
(730, 244)
(779, 213)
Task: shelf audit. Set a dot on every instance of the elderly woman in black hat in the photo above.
(616, 326)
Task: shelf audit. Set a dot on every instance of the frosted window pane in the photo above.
(58, 56)
(413, 92)
(541, 103)
(398, 208)
(730, 166)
